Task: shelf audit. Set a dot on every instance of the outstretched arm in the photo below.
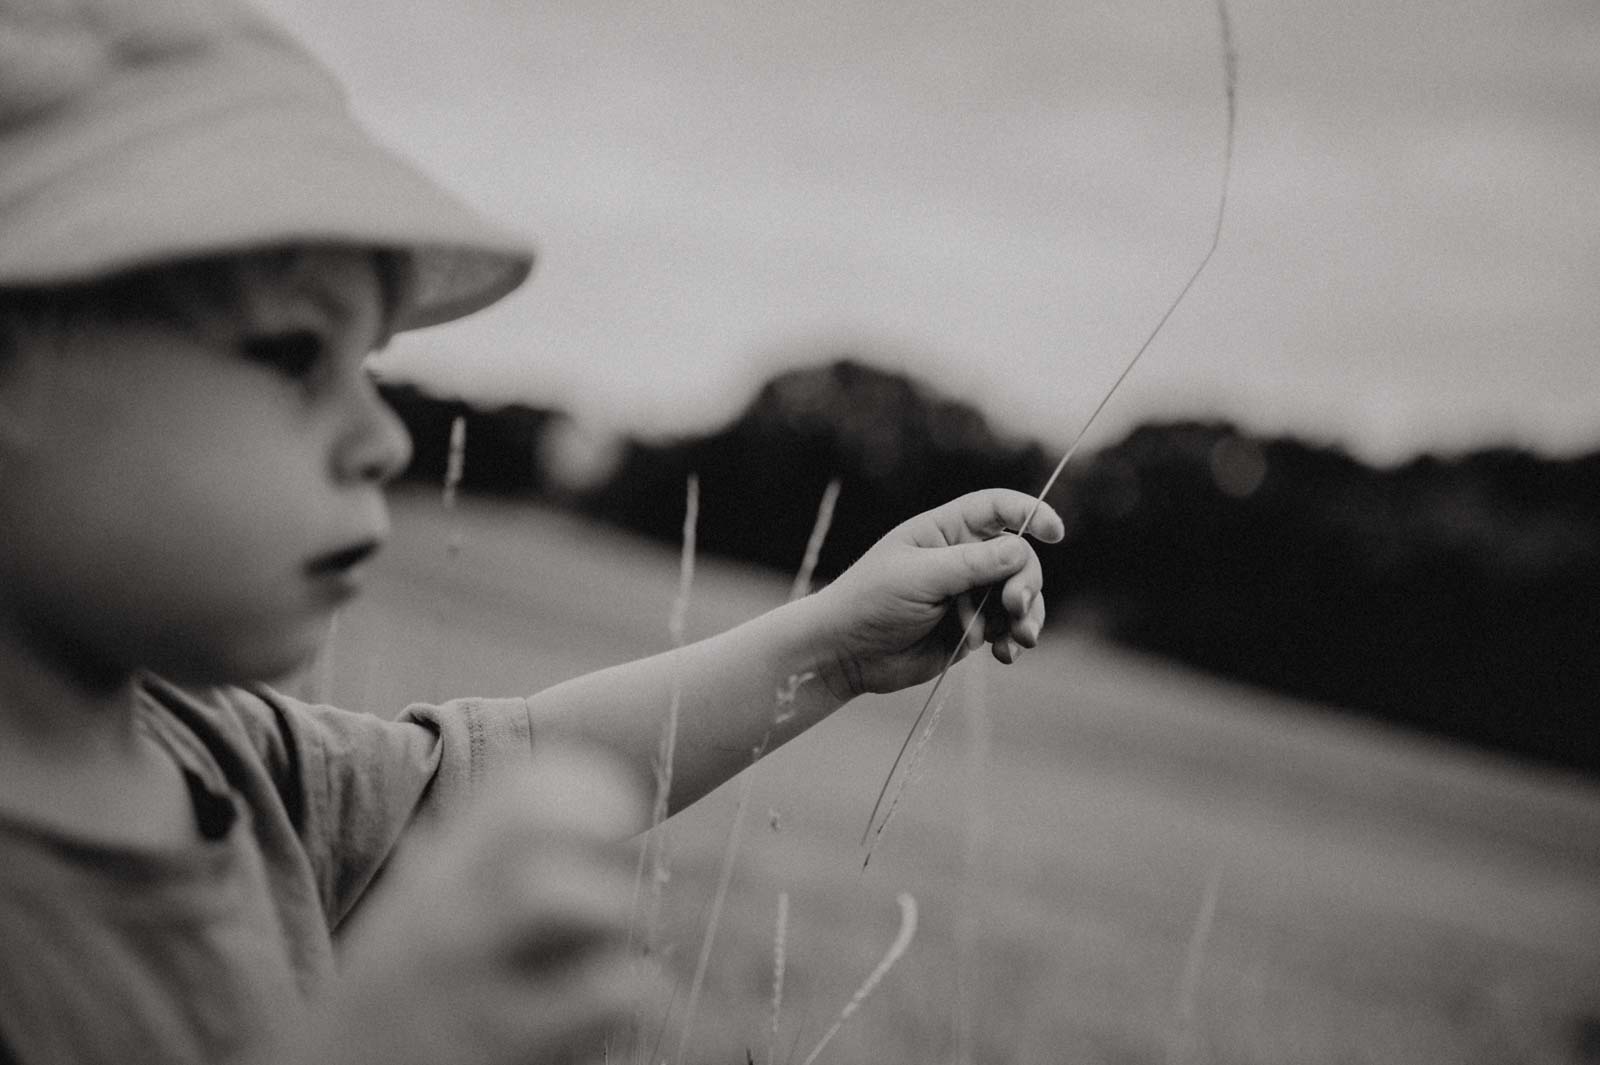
(891, 621)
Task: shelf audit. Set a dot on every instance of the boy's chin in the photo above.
(265, 662)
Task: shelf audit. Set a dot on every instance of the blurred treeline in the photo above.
(1459, 595)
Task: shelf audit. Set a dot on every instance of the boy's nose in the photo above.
(377, 445)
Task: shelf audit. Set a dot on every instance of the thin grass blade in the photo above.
(780, 955)
(819, 533)
(902, 940)
(653, 847)
(1230, 65)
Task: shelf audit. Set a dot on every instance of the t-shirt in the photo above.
(124, 954)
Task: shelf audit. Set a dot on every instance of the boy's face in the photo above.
(195, 500)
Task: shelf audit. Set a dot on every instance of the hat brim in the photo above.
(272, 173)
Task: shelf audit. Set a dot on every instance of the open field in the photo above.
(1378, 897)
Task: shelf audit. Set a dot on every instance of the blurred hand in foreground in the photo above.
(902, 608)
(500, 938)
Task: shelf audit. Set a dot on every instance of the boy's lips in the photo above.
(339, 568)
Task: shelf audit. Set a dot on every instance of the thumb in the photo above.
(960, 568)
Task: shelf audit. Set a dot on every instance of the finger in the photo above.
(1006, 650)
(981, 515)
(1043, 522)
(969, 567)
(1028, 629)
(998, 626)
(1020, 593)
(1024, 625)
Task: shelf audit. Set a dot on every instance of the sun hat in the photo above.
(134, 132)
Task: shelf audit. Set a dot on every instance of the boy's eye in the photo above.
(294, 354)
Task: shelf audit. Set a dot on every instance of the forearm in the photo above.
(748, 689)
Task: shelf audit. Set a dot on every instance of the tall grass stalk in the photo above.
(784, 699)
(1181, 1045)
(780, 958)
(454, 466)
(714, 921)
(819, 533)
(902, 940)
(676, 626)
(455, 462)
(677, 623)
(977, 834)
(653, 851)
(1230, 80)
(912, 774)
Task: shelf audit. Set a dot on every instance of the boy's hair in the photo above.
(183, 294)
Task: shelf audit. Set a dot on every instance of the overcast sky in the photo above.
(1002, 197)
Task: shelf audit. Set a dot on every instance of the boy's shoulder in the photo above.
(228, 741)
(227, 723)
(266, 745)
(264, 720)
(325, 790)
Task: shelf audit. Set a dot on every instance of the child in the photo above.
(198, 250)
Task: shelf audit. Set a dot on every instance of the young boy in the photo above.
(198, 250)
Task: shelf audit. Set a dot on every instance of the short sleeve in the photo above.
(353, 782)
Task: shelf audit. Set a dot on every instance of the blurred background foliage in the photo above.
(1455, 594)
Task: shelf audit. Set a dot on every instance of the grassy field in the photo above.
(1377, 897)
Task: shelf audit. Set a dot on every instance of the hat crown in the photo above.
(135, 132)
(52, 51)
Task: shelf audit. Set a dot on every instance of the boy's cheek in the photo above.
(190, 607)
(169, 531)
(246, 657)
(204, 642)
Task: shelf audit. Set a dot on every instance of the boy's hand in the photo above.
(897, 615)
(502, 938)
